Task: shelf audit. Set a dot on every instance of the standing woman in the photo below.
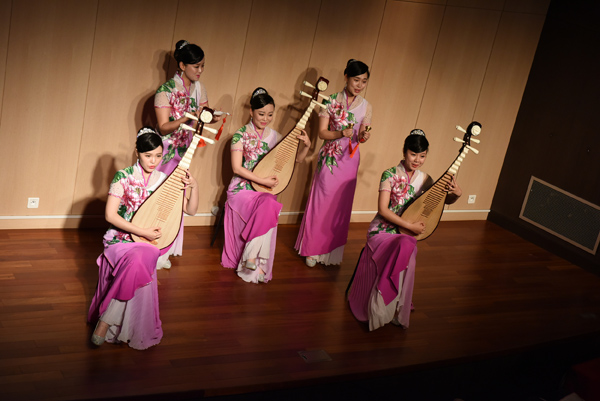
(251, 217)
(383, 284)
(324, 228)
(182, 93)
(125, 305)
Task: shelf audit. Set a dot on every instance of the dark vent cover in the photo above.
(562, 214)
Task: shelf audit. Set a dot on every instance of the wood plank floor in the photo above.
(481, 292)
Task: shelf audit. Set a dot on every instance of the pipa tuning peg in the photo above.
(305, 94)
(308, 84)
(461, 129)
(187, 127)
(191, 116)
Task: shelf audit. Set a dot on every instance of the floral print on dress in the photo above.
(180, 102)
(339, 119)
(134, 194)
(401, 192)
(253, 149)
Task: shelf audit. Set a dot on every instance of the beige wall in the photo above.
(79, 78)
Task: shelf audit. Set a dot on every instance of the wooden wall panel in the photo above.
(130, 48)
(222, 36)
(5, 12)
(499, 101)
(454, 83)
(434, 63)
(47, 71)
(334, 44)
(527, 6)
(277, 53)
(405, 50)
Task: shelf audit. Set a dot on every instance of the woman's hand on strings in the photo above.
(270, 182)
(188, 181)
(453, 188)
(417, 227)
(152, 233)
(304, 138)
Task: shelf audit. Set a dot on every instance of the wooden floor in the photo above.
(480, 293)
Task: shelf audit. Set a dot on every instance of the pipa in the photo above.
(281, 160)
(164, 207)
(428, 206)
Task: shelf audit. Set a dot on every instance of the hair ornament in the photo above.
(184, 44)
(259, 91)
(352, 60)
(146, 130)
(417, 132)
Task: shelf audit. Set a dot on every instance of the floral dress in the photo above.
(324, 229)
(250, 217)
(174, 95)
(383, 283)
(127, 294)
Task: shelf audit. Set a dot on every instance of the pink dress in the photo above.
(174, 95)
(127, 294)
(251, 217)
(324, 228)
(383, 283)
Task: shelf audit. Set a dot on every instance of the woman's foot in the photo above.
(311, 261)
(261, 276)
(165, 265)
(250, 265)
(99, 334)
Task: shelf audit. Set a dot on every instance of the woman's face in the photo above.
(355, 85)
(413, 160)
(150, 160)
(262, 117)
(192, 71)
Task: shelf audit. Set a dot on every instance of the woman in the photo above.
(382, 288)
(251, 217)
(125, 304)
(324, 229)
(183, 93)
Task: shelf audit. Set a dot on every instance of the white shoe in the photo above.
(311, 261)
(166, 265)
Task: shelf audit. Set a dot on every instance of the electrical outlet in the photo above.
(33, 203)
(471, 199)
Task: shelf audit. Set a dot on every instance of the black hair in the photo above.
(147, 140)
(188, 53)
(355, 68)
(416, 142)
(260, 98)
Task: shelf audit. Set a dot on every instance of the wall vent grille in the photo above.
(562, 214)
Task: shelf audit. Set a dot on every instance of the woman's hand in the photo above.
(304, 138)
(417, 227)
(364, 136)
(151, 234)
(188, 180)
(348, 132)
(453, 188)
(270, 182)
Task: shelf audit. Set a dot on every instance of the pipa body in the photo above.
(281, 160)
(164, 207)
(429, 205)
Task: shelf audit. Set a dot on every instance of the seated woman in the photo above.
(383, 284)
(251, 217)
(125, 304)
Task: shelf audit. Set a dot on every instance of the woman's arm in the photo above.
(324, 132)
(190, 202)
(382, 209)
(306, 140)
(112, 216)
(239, 169)
(164, 125)
(454, 191)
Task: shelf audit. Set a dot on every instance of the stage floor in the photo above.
(480, 293)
